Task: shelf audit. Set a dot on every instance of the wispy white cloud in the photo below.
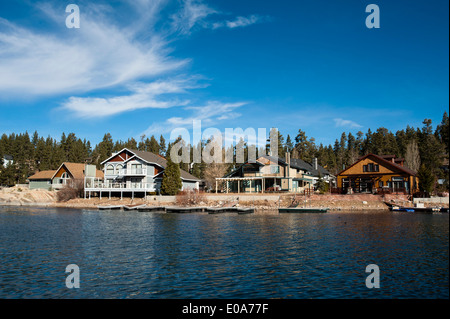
(346, 123)
(143, 95)
(109, 53)
(193, 12)
(238, 22)
(98, 55)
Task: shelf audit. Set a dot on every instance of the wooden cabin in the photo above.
(377, 174)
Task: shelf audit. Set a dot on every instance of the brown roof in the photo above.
(382, 160)
(77, 170)
(42, 175)
(161, 161)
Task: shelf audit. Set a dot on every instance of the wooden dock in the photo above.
(302, 210)
(179, 210)
(222, 210)
(152, 209)
(133, 207)
(185, 210)
(110, 207)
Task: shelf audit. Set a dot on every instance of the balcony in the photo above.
(127, 172)
(95, 185)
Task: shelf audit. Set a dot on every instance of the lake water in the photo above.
(156, 255)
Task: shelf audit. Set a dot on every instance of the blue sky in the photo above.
(146, 67)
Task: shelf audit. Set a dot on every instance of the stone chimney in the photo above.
(315, 164)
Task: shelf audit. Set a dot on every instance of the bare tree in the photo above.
(412, 156)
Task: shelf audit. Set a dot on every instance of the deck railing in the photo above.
(100, 184)
(375, 190)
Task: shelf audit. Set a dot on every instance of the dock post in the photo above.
(216, 186)
(109, 195)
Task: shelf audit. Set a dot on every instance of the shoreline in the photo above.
(260, 202)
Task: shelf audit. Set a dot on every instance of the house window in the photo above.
(274, 169)
(365, 168)
(109, 170)
(136, 168)
(118, 169)
(370, 168)
(377, 168)
(64, 178)
(380, 184)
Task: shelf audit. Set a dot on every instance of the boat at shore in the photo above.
(418, 209)
(302, 210)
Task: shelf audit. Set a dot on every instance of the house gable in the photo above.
(62, 169)
(385, 167)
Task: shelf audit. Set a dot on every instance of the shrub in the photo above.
(72, 190)
(190, 197)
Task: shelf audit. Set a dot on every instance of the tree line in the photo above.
(424, 149)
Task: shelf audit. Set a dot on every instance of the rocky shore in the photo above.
(17, 196)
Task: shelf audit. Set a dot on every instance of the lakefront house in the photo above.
(273, 174)
(66, 174)
(377, 174)
(131, 172)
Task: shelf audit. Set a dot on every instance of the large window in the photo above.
(110, 170)
(136, 168)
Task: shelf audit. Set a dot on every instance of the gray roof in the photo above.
(295, 163)
(309, 167)
(153, 158)
(8, 157)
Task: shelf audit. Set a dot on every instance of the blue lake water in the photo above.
(156, 255)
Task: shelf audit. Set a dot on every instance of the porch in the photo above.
(263, 184)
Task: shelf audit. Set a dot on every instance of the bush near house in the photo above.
(73, 190)
(190, 197)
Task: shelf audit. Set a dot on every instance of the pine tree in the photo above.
(153, 145)
(171, 182)
(162, 146)
(426, 180)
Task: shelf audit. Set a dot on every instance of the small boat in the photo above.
(110, 207)
(302, 210)
(133, 207)
(415, 209)
(402, 209)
